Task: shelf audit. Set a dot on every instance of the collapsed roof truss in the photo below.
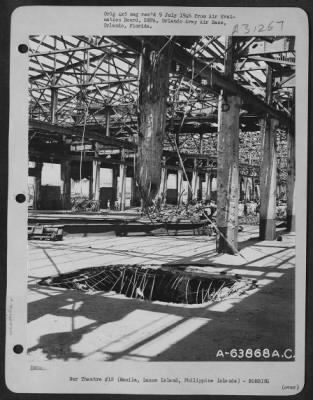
(96, 81)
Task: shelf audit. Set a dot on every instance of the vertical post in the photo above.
(194, 181)
(163, 183)
(133, 192)
(201, 143)
(122, 181)
(96, 180)
(228, 163)
(66, 184)
(252, 189)
(207, 186)
(54, 90)
(96, 175)
(54, 105)
(153, 92)
(37, 190)
(179, 186)
(268, 170)
(114, 185)
(228, 173)
(268, 181)
(291, 179)
(199, 187)
(107, 121)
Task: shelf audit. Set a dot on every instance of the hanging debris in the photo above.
(152, 283)
(153, 92)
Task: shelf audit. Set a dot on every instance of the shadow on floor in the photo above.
(263, 319)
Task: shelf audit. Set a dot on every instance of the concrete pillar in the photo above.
(291, 179)
(228, 173)
(66, 184)
(268, 172)
(180, 178)
(37, 189)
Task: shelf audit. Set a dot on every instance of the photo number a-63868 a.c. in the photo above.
(248, 354)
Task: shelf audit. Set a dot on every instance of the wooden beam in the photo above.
(272, 60)
(268, 170)
(153, 92)
(228, 164)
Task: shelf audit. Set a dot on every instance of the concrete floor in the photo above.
(73, 325)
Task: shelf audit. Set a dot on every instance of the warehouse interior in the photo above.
(161, 204)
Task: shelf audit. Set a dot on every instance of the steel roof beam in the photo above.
(215, 80)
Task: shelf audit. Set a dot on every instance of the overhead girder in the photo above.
(215, 80)
(74, 131)
(257, 106)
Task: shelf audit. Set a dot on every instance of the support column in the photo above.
(252, 189)
(242, 188)
(201, 143)
(268, 169)
(291, 180)
(179, 186)
(107, 121)
(37, 189)
(54, 105)
(163, 182)
(153, 92)
(96, 176)
(207, 196)
(228, 173)
(66, 184)
(121, 197)
(96, 180)
(114, 185)
(199, 193)
(133, 192)
(194, 180)
(228, 162)
(268, 173)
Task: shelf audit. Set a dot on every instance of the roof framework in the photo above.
(87, 82)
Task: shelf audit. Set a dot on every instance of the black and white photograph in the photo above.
(161, 203)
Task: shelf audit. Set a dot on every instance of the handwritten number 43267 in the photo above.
(259, 28)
